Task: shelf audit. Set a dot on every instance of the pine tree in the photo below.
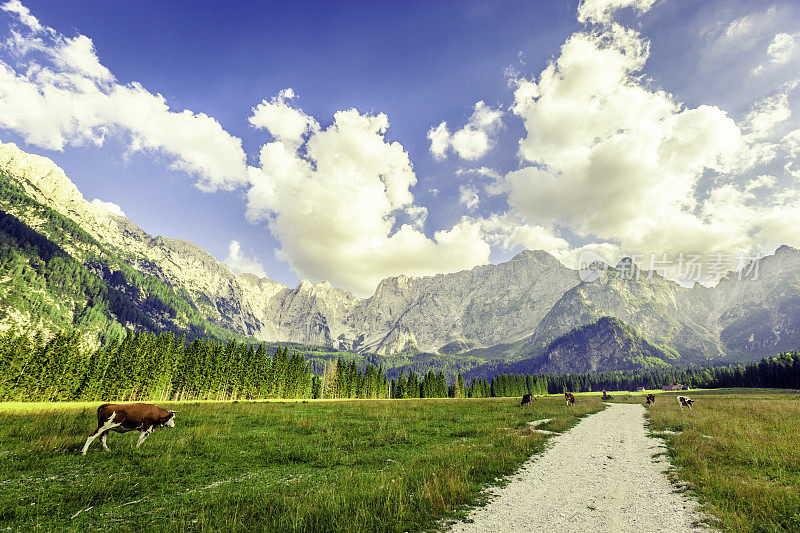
(330, 381)
(458, 387)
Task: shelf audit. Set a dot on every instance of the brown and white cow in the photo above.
(651, 399)
(141, 417)
(526, 399)
(685, 401)
(570, 398)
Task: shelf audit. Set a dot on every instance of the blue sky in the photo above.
(621, 127)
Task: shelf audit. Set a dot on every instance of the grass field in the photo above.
(397, 465)
(739, 450)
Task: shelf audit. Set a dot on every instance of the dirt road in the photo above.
(598, 476)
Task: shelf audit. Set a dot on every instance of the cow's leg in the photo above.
(103, 440)
(143, 435)
(89, 441)
(109, 424)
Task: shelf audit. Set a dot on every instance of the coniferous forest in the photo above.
(149, 367)
(146, 366)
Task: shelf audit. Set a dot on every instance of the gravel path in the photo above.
(598, 476)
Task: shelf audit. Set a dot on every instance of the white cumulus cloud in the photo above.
(472, 141)
(602, 11)
(468, 196)
(781, 54)
(333, 197)
(509, 230)
(111, 207)
(282, 121)
(781, 48)
(24, 14)
(55, 92)
(242, 264)
(760, 122)
(615, 159)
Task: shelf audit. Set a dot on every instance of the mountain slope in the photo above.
(760, 315)
(55, 276)
(479, 307)
(605, 344)
(655, 307)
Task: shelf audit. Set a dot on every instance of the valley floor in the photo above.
(411, 465)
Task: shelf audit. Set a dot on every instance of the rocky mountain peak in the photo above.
(786, 249)
(393, 285)
(538, 256)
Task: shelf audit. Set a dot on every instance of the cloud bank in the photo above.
(616, 159)
(54, 92)
(606, 156)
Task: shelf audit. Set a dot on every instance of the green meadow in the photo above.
(739, 451)
(391, 465)
(369, 465)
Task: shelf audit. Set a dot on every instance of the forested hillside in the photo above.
(55, 277)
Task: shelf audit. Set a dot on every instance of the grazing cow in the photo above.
(526, 399)
(685, 401)
(570, 398)
(651, 399)
(141, 417)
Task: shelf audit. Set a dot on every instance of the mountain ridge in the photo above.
(509, 311)
(607, 344)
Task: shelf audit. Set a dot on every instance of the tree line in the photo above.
(143, 366)
(781, 372)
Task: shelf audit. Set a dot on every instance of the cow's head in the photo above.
(170, 423)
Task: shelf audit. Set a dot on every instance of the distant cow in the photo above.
(141, 417)
(526, 400)
(651, 399)
(685, 401)
(570, 398)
